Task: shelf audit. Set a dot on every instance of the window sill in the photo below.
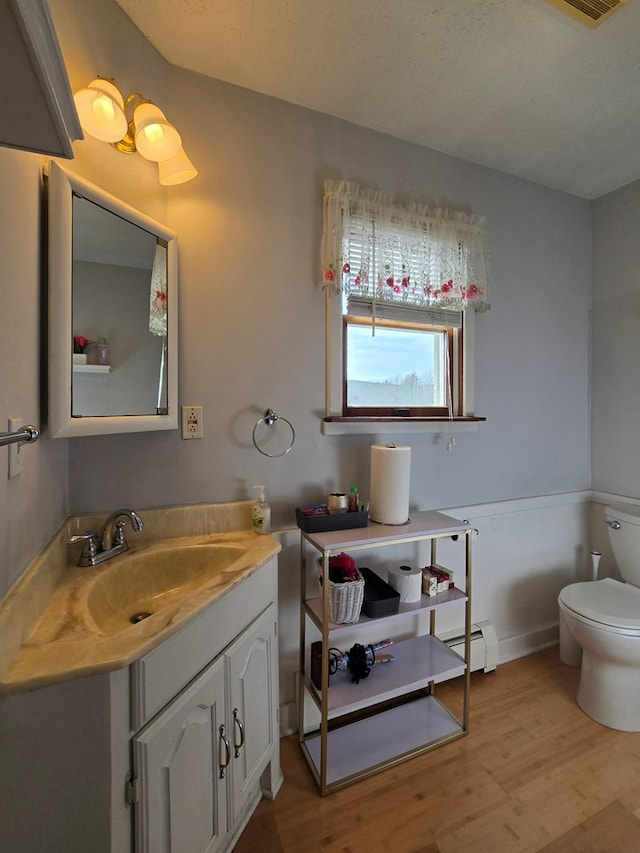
(337, 425)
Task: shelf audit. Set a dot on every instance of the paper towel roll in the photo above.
(407, 580)
(390, 476)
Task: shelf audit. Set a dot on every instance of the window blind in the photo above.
(358, 306)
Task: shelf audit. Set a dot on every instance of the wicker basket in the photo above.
(345, 599)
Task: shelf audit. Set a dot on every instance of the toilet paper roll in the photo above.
(390, 477)
(407, 580)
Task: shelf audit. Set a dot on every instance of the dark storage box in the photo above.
(338, 521)
(380, 599)
(316, 664)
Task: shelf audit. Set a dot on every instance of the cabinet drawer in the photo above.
(158, 676)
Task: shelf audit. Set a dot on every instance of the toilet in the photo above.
(600, 630)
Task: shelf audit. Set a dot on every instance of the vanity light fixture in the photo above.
(177, 170)
(134, 124)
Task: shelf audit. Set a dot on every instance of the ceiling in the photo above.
(515, 85)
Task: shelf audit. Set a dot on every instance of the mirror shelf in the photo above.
(112, 275)
(91, 368)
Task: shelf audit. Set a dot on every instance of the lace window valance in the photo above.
(421, 257)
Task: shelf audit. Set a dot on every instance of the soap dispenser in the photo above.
(261, 513)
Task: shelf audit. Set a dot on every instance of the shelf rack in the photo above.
(395, 715)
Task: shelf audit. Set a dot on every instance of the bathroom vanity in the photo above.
(171, 752)
(202, 743)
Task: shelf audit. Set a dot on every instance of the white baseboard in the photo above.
(288, 719)
(513, 648)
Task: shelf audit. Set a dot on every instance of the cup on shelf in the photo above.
(337, 502)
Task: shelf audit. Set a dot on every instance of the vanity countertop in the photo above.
(47, 633)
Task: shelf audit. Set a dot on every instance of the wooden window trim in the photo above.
(412, 412)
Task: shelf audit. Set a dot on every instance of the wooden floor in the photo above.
(534, 774)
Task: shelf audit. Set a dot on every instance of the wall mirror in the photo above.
(113, 296)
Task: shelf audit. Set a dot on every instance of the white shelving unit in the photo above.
(394, 714)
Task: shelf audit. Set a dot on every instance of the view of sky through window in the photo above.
(396, 367)
(389, 355)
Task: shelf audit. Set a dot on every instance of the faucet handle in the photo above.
(118, 534)
(89, 548)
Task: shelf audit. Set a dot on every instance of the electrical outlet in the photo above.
(192, 425)
(15, 450)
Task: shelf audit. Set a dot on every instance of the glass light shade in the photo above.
(178, 170)
(156, 138)
(101, 111)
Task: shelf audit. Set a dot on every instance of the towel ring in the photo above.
(269, 418)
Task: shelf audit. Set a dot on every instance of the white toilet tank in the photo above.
(625, 540)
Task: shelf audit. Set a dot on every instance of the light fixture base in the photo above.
(127, 145)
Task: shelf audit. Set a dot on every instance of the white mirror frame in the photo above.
(61, 187)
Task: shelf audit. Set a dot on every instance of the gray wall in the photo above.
(251, 313)
(32, 505)
(252, 318)
(616, 342)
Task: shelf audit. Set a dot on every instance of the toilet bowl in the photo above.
(600, 631)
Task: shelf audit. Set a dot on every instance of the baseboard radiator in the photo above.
(484, 645)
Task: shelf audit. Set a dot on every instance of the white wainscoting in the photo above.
(525, 551)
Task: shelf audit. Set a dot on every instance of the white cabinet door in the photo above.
(251, 709)
(178, 761)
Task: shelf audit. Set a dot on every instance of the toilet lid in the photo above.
(607, 601)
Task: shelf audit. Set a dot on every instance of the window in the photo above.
(399, 338)
(404, 363)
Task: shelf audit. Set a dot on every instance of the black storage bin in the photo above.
(380, 599)
(335, 521)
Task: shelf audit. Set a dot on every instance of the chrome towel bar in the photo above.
(28, 434)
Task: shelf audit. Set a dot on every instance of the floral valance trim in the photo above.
(449, 296)
(158, 293)
(411, 255)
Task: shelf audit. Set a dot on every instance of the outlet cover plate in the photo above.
(191, 420)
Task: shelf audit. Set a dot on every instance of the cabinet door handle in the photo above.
(227, 752)
(237, 722)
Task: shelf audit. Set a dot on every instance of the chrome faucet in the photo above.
(97, 548)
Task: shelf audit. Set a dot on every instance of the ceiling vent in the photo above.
(591, 13)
